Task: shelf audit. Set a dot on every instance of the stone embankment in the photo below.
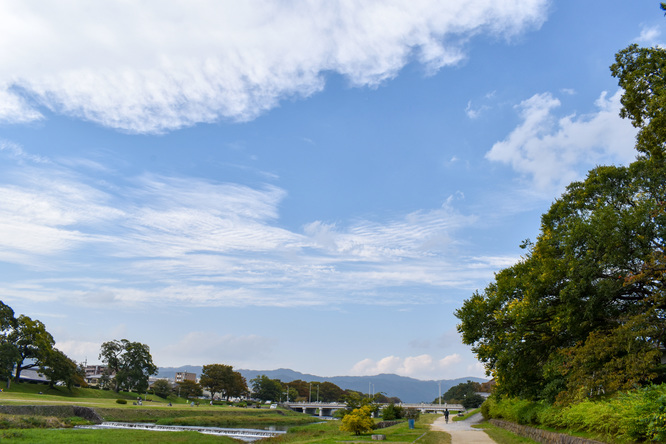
(542, 436)
(58, 411)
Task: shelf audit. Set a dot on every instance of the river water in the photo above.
(247, 435)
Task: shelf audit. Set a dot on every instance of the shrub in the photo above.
(391, 412)
(121, 401)
(358, 421)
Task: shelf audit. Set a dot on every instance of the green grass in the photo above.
(502, 436)
(107, 436)
(329, 432)
(104, 402)
(466, 415)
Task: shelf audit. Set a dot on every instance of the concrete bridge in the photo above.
(329, 408)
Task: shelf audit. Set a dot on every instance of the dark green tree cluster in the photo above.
(25, 344)
(222, 379)
(188, 389)
(267, 389)
(584, 312)
(465, 393)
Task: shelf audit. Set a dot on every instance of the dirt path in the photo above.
(462, 432)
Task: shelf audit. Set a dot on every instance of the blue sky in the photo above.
(312, 185)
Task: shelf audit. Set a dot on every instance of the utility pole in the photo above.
(310, 394)
(440, 393)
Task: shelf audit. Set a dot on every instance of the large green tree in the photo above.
(130, 362)
(58, 367)
(581, 281)
(33, 343)
(220, 378)
(584, 312)
(188, 389)
(267, 389)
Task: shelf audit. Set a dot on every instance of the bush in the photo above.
(358, 421)
(391, 412)
(638, 415)
(121, 401)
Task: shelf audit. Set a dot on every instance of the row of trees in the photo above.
(465, 393)
(25, 344)
(218, 379)
(267, 389)
(583, 313)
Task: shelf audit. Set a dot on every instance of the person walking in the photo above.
(446, 415)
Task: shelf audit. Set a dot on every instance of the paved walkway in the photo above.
(462, 432)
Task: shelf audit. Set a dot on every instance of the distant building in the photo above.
(185, 376)
(95, 370)
(94, 373)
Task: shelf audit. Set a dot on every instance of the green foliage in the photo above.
(640, 72)
(57, 367)
(584, 307)
(266, 389)
(33, 343)
(636, 415)
(329, 392)
(583, 314)
(131, 362)
(220, 378)
(121, 401)
(356, 400)
(358, 421)
(162, 388)
(391, 412)
(188, 389)
(464, 393)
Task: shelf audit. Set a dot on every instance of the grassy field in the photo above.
(502, 436)
(26, 428)
(329, 432)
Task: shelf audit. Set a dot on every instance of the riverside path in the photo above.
(461, 431)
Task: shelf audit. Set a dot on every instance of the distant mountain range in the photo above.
(407, 389)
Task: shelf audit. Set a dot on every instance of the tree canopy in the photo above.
(266, 389)
(464, 393)
(220, 378)
(131, 363)
(583, 313)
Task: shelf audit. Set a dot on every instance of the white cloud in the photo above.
(80, 351)
(154, 66)
(204, 243)
(422, 366)
(14, 108)
(650, 36)
(552, 150)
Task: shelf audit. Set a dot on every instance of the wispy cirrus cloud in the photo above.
(554, 151)
(150, 68)
(204, 243)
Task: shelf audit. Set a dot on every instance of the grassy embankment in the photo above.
(37, 428)
(31, 428)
